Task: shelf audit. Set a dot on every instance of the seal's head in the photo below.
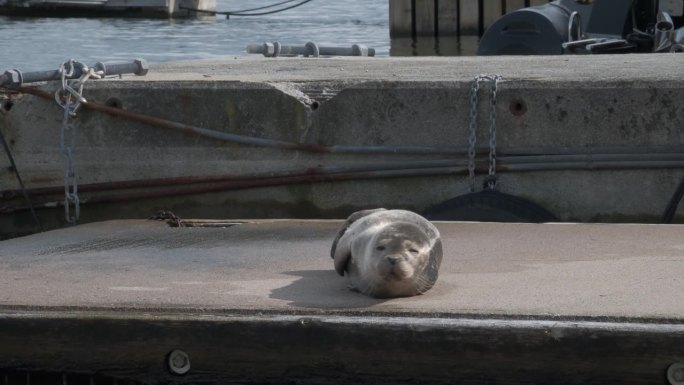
(393, 261)
(389, 253)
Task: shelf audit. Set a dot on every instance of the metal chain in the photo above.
(491, 180)
(69, 130)
(472, 138)
(71, 91)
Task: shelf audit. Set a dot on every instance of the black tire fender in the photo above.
(489, 206)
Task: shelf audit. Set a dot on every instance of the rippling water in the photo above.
(44, 43)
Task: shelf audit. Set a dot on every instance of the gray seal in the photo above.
(388, 253)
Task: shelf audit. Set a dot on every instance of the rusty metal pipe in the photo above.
(508, 163)
(399, 150)
(249, 140)
(253, 183)
(291, 173)
(163, 123)
(211, 185)
(588, 150)
(591, 158)
(598, 165)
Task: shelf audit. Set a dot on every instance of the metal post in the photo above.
(16, 78)
(309, 49)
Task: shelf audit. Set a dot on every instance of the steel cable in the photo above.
(24, 191)
(245, 12)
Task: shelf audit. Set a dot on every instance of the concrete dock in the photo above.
(259, 302)
(519, 270)
(589, 139)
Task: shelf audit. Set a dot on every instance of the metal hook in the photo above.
(571, 21)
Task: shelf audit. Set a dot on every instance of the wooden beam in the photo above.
(448, 17)
(400, 18)
(425, 17)
(469, 17)
(512, 5)
(492, 12)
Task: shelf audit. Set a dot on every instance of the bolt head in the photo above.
(143, 67)
(675, 374)
(178, 362)
(359, 50)
(269, 49)
(14, 77)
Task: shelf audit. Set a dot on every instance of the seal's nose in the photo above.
(393, 259)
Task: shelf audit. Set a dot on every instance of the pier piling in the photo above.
(412, 18)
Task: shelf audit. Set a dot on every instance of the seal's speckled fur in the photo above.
(388, 253)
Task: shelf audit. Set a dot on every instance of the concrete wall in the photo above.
(623, 103)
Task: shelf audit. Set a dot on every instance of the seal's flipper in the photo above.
(342, 253)
(351, 219)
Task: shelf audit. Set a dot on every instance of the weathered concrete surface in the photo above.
(571, 69)
(259, 302)
(629, 104)
(564, 271)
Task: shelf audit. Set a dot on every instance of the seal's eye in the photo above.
(380, 248)
(414, 251)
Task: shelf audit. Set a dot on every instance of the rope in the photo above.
(264, 7)
(21, 182)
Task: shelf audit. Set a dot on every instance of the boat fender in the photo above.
(489, 206)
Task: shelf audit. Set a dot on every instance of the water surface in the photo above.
(44, 43)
